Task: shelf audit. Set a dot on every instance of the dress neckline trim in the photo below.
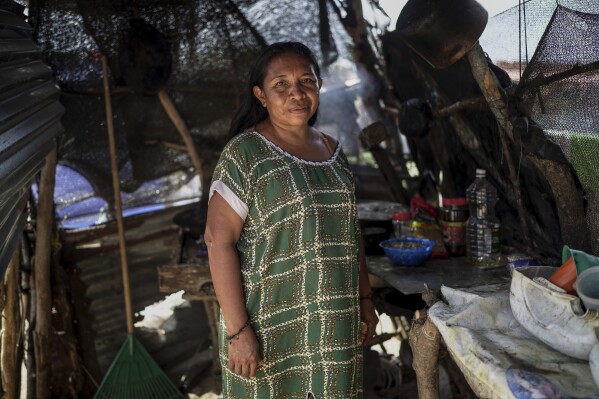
(300, 160)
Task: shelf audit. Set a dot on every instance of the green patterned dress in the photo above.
(299, 259)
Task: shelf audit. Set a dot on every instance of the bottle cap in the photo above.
(458, 201)
(481, 172)
(401, 216)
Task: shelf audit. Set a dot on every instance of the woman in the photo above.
(284, 243)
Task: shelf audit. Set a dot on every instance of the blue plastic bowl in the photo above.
(408, 256)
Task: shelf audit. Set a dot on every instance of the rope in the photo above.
(521, 23)
(520, 37)
(525, 31)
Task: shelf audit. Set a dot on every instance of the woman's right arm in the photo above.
(223, 228)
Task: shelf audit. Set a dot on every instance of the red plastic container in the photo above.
(565, 276)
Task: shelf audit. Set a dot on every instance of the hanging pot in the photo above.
(441, 31)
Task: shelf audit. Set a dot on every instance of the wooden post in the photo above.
(28, 306)
(11, 339)
(425, 340)
(490, 88)
(41, 271)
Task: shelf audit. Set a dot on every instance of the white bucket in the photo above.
(587, 287)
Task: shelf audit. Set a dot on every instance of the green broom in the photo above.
(133, 373)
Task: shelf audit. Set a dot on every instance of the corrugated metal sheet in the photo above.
(29, 121)
(92, 260)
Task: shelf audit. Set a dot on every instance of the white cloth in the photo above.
(233, 200)
(498, 357)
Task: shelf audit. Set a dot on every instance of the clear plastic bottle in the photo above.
(482, 227)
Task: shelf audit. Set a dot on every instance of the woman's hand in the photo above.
(369, 318)
(244, 354)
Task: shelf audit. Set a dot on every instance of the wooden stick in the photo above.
(116, 187)
(41, 271)
(173, 114)
(490, 88)
(458, 106)
(541, 80)
(10, 332)
(167, 144)
(382, 338)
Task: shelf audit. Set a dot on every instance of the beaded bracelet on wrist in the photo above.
(230, 338)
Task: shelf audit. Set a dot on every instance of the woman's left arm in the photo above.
(367, 312)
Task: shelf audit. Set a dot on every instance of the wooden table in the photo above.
(424, 337)
(453, 272)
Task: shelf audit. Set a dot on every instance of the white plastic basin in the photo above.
(594, 363)
(551, 315)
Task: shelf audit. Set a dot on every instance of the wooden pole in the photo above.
(116, 187)
(41, 271)
(179, 123)
(425, 341)
(10, 332)
(490, 88)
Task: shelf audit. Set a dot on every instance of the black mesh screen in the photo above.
(199, 51)
(560, 89)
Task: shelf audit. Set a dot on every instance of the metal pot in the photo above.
(441, 31)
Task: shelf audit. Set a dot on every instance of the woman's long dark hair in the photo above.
(251, 111)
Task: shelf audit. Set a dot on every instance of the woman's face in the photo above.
(290, 90)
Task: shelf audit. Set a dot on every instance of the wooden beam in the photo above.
(497, 102)
(41, 271)
(11, 335)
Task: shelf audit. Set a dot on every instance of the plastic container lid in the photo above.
(458, 201)
(401, 216)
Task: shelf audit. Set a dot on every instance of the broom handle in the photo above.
(117, 197)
